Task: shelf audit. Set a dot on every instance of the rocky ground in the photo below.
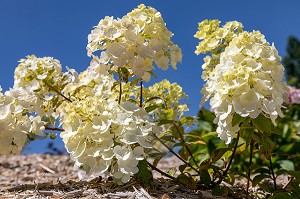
(49, 176)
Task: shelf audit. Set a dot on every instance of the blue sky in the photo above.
(59, 29)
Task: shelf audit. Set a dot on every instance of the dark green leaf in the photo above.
(230, 179)
(237, 119)
(266, 188)
(282, 195)
(280, 172)
(182, 167)
(151, 108)
(247, 132)
(205, 177)
(220, 190)
(187, 181)
(267, 145)
(165, 121)
(217, 154)
(152, 98)
(144, 175)
(258, 178)
(295, 174)
(295, 188)
(262, 123)
(183, 153)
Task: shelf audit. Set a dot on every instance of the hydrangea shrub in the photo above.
(110, 122)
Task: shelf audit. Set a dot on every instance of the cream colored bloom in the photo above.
(247, 80)
(136, 42)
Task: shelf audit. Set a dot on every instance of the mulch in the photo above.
(50, 176)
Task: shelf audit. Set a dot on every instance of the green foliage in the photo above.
(277, 143)
(144, 175)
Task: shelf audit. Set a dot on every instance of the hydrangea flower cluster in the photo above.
(167, 97)
(134, 42)
(40, 80)
(103, 136)
(214, 39)
(246, 81)
(102, 128)
(15, 123)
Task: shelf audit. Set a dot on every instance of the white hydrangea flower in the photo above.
(168, 96)
(38, 80)
(247, 81)
(15, 123)
(97, 127)
(135, 41)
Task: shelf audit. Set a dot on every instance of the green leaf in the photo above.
(282, 195)
(125, 74)
(152, 73)
(220, 190)
(295, 188)
(209, 134)
(152, 98)
(247, 132)
(186, 180)
(237, 119)
(134, 81)
(144, 175)
(52, 136)
(151, 108)
(183, 153)
(205, 177)
(266, 188)
(169, 114)
(157, 157)
(31, 136)
(242, 148)
(182, 167)
(258, 178)
(227, 154)
(267, 145)
(186, 120)
(280, 172)
(295, 174)
(165, 121)
(217, 154)
(262, 123)
(286, 164)
(230, 179)
(172, 171)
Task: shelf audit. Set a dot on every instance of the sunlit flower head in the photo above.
(247, 81)
(135, 42)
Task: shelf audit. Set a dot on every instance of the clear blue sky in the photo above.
(59, 28)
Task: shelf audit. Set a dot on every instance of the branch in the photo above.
(180, 158)
(184, 143)
(233, 153)
(159, 171)
(54, 129)
(141, 93)
(59, 93)
(120, 84)
(120, 93)
(249, 170)
(273, 175)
